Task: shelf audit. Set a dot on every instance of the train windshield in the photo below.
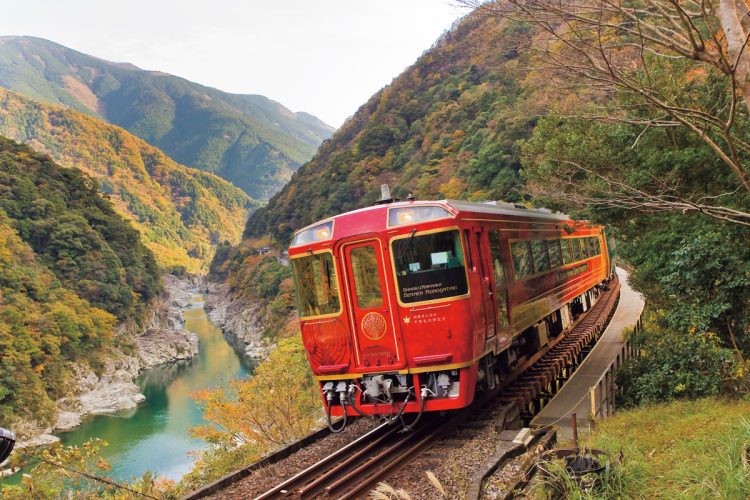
(316, 285)
(429, 266)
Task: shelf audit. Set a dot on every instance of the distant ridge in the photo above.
(252, 141)
(180, 212)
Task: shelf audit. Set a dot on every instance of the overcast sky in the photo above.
(325, 57)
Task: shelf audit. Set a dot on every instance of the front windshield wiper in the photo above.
(323, 266)
(408, 244)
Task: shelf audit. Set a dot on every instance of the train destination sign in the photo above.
(432, 284)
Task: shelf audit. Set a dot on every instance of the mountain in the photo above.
(180, 212)
(70, 268)
(447, 127)
(249, 140)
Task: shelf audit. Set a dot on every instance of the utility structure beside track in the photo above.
(590, 393)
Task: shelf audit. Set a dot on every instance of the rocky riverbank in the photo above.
(163, 340)
(242, 320)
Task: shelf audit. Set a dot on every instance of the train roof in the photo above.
(504, 208)
(487, 207)
(455, 207)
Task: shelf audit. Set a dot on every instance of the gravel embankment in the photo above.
(268, 477)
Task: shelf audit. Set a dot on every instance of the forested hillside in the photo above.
(448, 126)
(250, 140)
(70, 268)
(181, 212)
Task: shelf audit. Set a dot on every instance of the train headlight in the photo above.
(411, 215)
(319, 232)
(405, 217)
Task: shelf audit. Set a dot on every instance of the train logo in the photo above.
(373, 326)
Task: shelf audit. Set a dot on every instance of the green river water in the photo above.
(156, 435)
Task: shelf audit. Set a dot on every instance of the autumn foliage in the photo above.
(447, 127)
(180, 212)
(277, 406)
(70, 267)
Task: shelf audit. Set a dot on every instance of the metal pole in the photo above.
(575, 429)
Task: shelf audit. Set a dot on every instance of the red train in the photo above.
(411, 306)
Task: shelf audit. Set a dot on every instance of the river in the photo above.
(156, 435)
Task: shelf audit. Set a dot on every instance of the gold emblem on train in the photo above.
(373, 326)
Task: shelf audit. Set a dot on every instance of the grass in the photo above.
(683, 449)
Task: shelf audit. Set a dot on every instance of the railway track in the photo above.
(351, 471)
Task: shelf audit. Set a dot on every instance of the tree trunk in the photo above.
(733, 16)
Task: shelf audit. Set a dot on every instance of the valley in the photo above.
(146, 295)
(180, 212)
(146, 412)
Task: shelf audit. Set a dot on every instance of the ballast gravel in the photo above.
(267, 477)
(454, 458)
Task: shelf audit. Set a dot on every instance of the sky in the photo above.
(326, 57)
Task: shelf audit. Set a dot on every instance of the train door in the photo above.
(483, 264)
(375, 336)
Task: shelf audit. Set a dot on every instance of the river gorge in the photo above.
(155, 436)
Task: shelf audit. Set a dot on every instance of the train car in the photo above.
(412, 306)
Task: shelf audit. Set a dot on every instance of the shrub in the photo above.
(675, 364)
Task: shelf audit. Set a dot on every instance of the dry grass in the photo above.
(684, 449)
(385, 491)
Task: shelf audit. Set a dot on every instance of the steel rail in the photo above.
(280, 488)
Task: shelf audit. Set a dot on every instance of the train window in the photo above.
(555, 258)
(584, 248)
(567, 249)
(316, 285)
(521, 258)
(366, 277)
(576, 247)
(496, 254)
(539, 254)
(592, 246)
(579, 248)
(468, 250)
(480, 257)
(598, 246)
(430, 266)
